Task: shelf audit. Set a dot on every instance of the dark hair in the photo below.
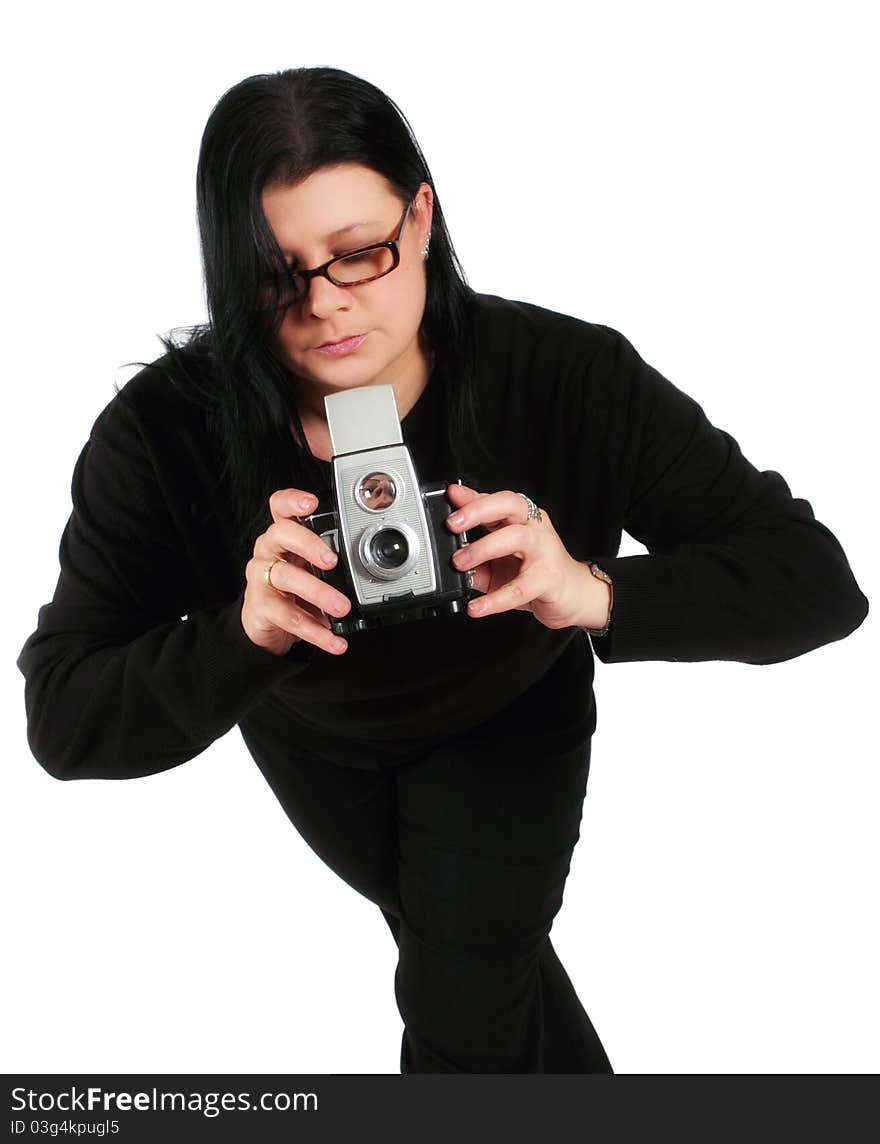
(282, 127)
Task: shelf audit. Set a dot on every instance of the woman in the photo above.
(438, 766)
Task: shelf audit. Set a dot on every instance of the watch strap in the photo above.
(601, 574)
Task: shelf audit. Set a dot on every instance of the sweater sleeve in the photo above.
(126, 674)
(737, 568)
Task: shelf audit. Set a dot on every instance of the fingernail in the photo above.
(456, 518)
(328, 558)
(339, 645)
(306, 502)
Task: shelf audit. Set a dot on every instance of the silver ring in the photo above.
(534, 511)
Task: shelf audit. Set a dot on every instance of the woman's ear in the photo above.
(423, 209)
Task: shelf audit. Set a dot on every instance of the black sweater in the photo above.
(118, 684)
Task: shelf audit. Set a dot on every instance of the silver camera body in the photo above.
(388, 531)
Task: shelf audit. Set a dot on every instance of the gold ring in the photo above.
(267, 575)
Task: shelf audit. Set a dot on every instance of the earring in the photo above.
(427, 244)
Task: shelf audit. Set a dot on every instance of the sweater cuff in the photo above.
(234, 663)
(646, 619)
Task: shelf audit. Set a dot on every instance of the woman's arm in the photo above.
(737, 569)
(118, 684)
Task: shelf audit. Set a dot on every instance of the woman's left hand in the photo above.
(522, 564)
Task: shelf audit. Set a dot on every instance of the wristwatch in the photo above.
(601, 574)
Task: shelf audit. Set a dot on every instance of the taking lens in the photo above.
(389, 548)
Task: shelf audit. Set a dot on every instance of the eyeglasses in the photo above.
(352, 269)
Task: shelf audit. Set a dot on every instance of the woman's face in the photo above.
(357, 202)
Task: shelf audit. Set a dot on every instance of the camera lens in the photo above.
(377, 491)
(389, 551)
(389, 548)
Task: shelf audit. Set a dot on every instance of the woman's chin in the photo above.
(344, 373)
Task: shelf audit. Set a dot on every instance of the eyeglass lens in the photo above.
(345, 271)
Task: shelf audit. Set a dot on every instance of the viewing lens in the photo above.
(377, 491)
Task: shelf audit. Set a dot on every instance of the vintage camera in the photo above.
(389, 532)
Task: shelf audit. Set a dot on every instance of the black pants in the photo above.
(465, 849)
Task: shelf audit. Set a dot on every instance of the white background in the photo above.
(702, 177)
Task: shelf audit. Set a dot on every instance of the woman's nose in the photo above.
(324, 298)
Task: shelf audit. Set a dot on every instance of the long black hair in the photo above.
(282, 127)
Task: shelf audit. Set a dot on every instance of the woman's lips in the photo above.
(340, 349)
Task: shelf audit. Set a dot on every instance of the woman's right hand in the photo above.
(275, 617)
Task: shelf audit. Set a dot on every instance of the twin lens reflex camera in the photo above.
(388, 531)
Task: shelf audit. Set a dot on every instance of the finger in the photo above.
(489, 509)
(461, 494)
(287, 537)
(510, 540)
(314, 611)
(294, 580)
(458, 496)
(291, 503)
(292, 618)
(298, 582)
(515, 594)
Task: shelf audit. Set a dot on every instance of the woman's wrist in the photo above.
(598, 600)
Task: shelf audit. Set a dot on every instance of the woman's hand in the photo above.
(275, 615)
(522, 564)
